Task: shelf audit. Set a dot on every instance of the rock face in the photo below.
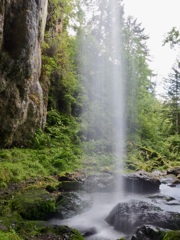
(22, 107)
(72, 203)
(99, 183)
(128, 216)
(141, 182)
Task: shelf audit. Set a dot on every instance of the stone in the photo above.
(163, 199)
(88, 232)
(72, 203)
(175, 171)
(69, 186)
(128, 216)
(57, 233)
(168, 179)
(148, 232)
(99, 183)
(23, 24)
(34, 204)
(141, 182)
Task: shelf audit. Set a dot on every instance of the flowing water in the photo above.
(104, 112)
(103, 203)
(101, 68)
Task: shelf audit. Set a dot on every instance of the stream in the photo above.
(103, 203)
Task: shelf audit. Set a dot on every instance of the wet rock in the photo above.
(34, 204)
(88, 232)
(126, 217)
(175, 171)
(99, 183)
(168, 200)
(69, 186)
(141, 182)
(148, 232)
(162, 197)
(72, 203)
(168, 179)
(57, 233)
(68, 177)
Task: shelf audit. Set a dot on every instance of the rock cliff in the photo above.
(22, 106)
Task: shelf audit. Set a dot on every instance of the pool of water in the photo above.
(103, 203)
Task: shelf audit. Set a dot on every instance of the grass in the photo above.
(17, 165)
(9, 236)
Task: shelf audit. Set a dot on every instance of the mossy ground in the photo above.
(51, 154)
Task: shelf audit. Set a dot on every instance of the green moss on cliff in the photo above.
(172, 235)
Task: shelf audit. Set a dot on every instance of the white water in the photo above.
(101, 67)
(102, 205)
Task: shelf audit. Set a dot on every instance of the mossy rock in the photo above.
(70, 204)
(9, 236)
(34, 204)
(172, 235)
(68, 186)
(58, 233)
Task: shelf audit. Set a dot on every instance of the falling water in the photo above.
(101, 67)
(103, 115)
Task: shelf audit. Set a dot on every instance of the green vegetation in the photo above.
(74, 139)
(172, 235)
(34, 204)
(52, 152)
(9, 236)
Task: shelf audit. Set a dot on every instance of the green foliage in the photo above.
(171, 106)
(55, 150)
(172, 235)
(9, 236)
(35, 204)
(58, 58)
(173, 37)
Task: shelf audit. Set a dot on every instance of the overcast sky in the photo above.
(157, 17)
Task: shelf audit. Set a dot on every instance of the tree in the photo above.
(141, 102)
(172, 103)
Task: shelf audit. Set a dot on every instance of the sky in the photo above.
(157, 17)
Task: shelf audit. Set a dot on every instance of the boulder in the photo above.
(88, 232)
(168, 179)
(148, 232)
(141, 182)
(99, 183)
(69, 186)
(57, 233)
(163, 199)
(34, 204)
(128, 216)
(70, 204)
(175, 171)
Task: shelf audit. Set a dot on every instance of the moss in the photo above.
(34, 204)
(35, 99)
(70, 186)
(172, 235)
(9, 236)
(63, 231)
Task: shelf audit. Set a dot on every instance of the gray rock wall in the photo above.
(22, 108)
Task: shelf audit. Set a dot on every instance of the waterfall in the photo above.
(101, 67)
